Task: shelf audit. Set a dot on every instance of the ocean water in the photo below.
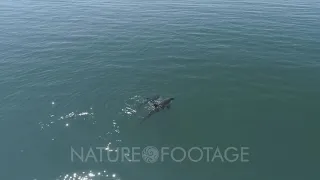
(243, 74)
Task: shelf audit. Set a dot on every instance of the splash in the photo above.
(74, 115)
(136, 105)
(129, 110)
(67, 118)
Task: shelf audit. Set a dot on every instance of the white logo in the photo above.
(150, 154)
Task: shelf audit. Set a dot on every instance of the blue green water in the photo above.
(243, 73)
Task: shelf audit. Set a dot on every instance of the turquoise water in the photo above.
(243, 73)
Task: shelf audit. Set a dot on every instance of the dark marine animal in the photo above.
(166, 103)
(151, 99)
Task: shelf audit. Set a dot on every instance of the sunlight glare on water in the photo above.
(77, 74)
(90, 175)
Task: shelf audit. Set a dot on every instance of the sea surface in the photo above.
(244, 73)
